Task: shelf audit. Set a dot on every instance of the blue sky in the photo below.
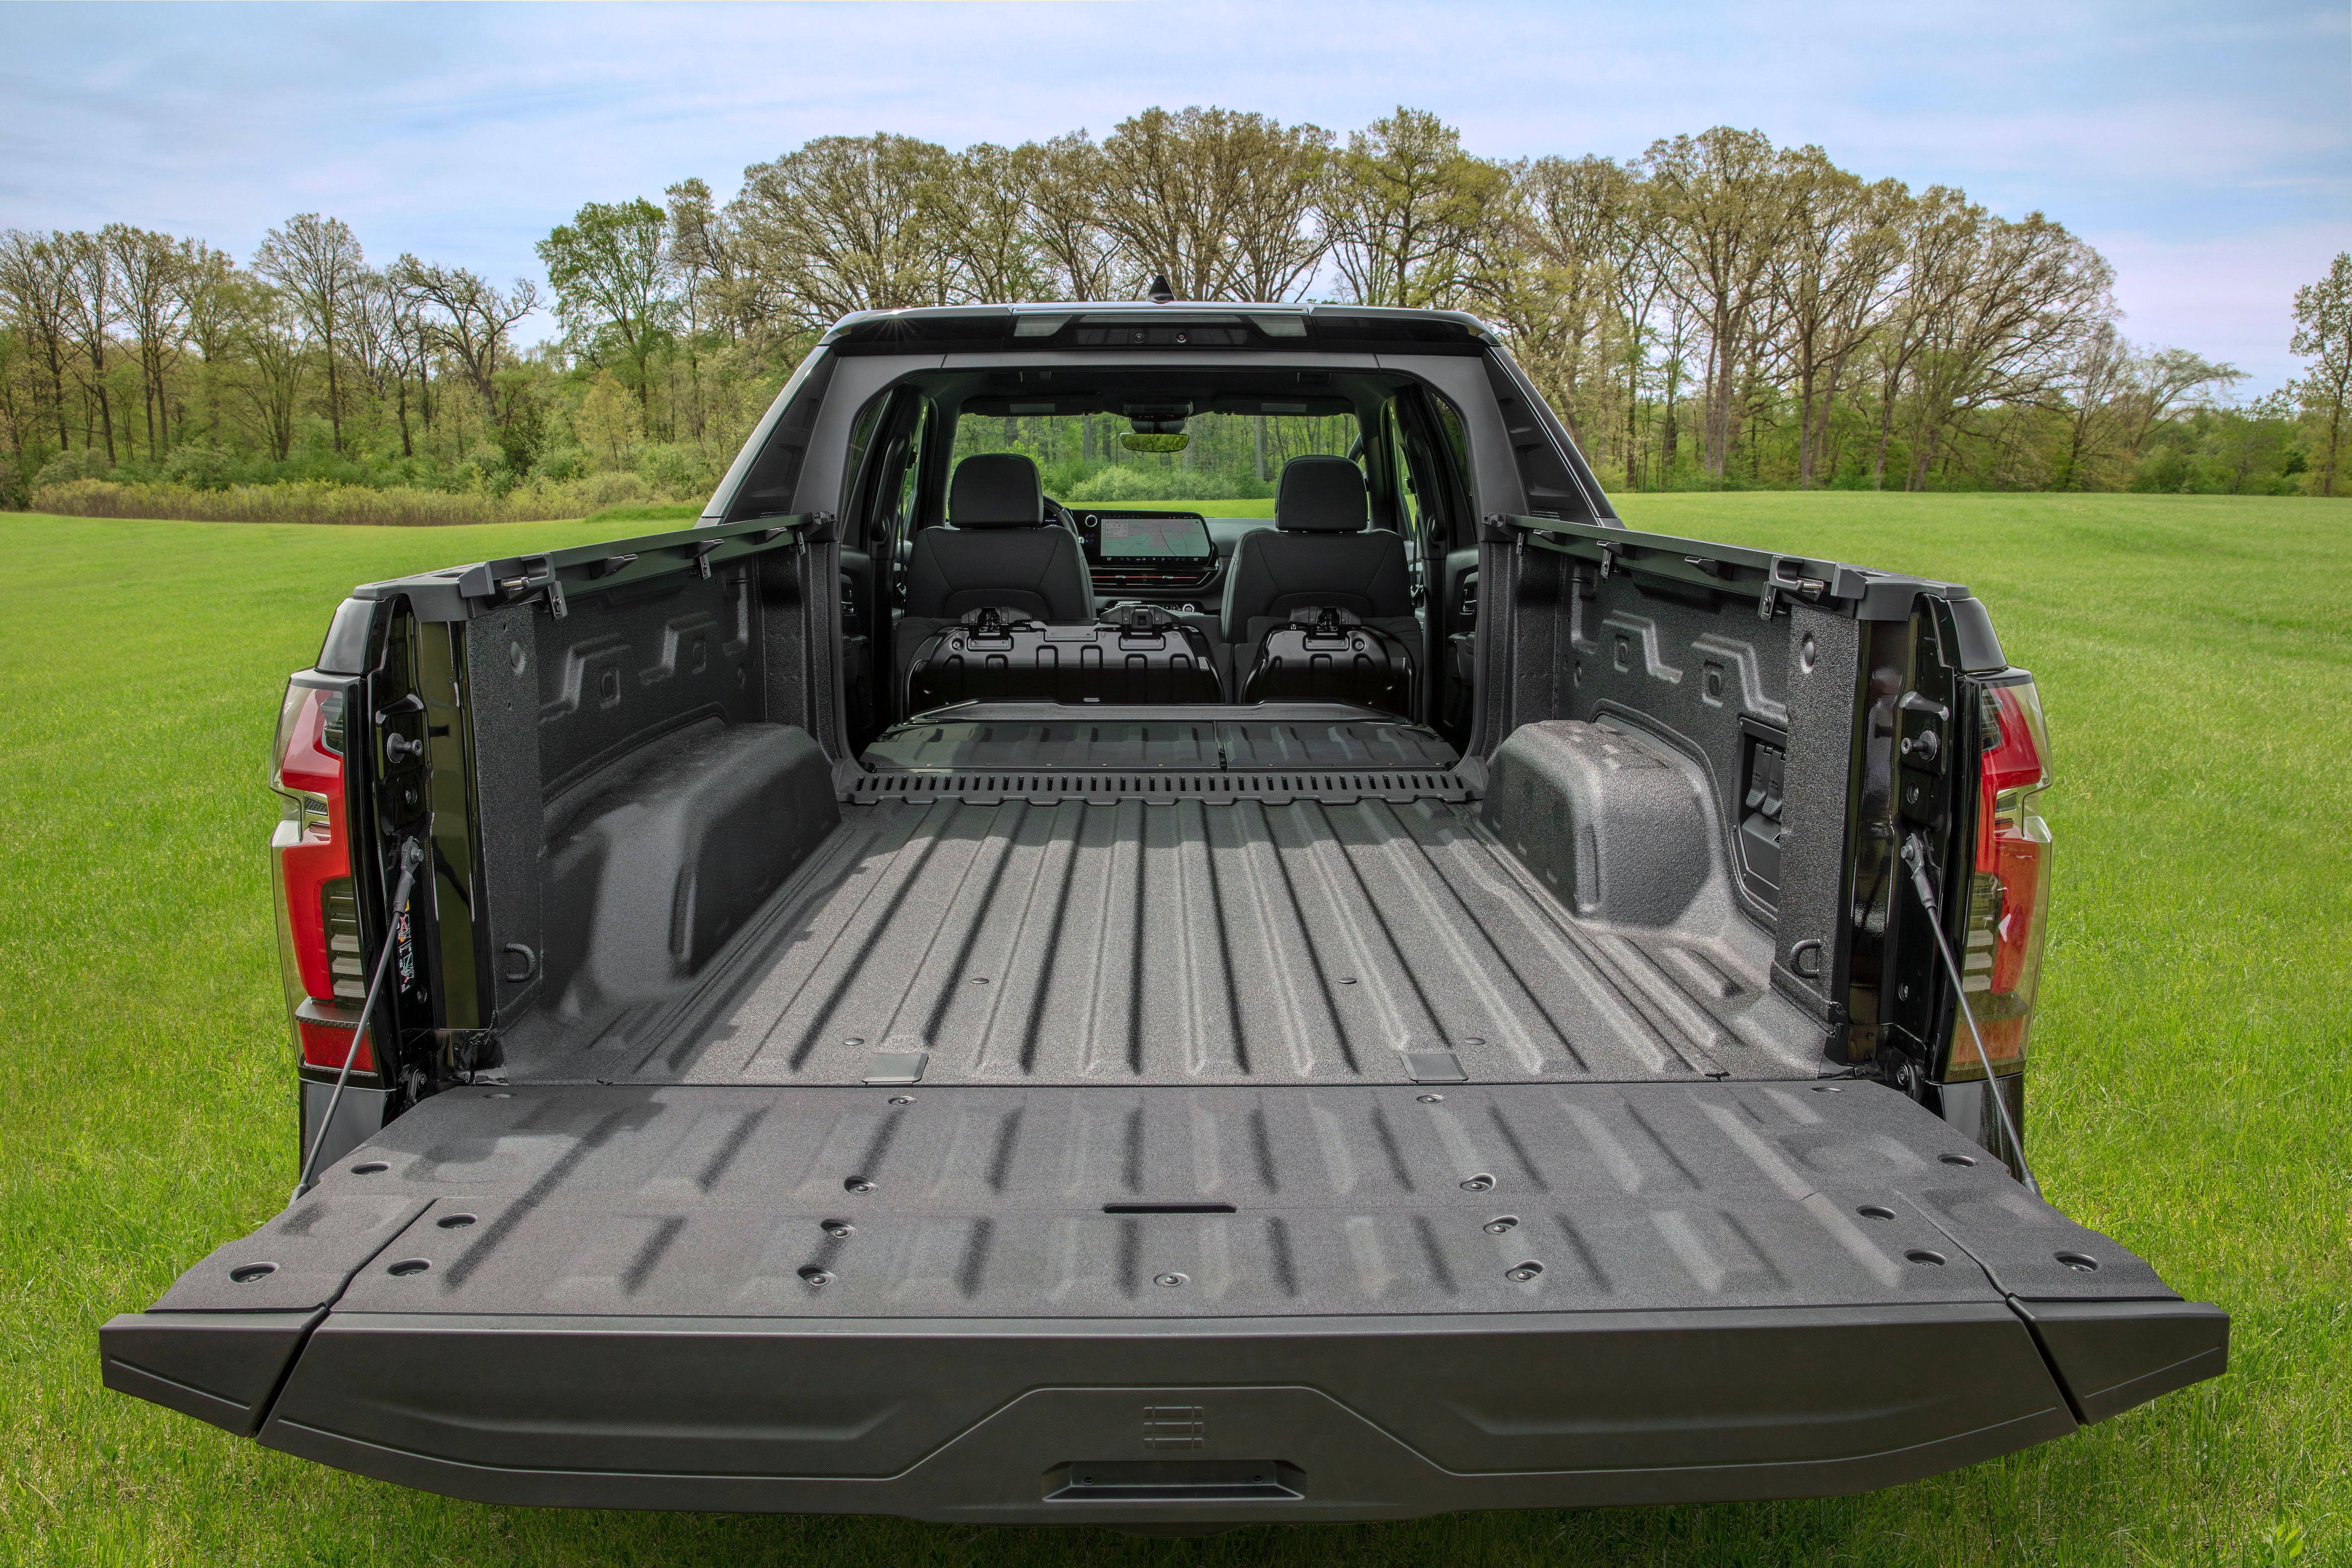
(2205, 148)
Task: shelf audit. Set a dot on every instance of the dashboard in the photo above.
(1130, 536)
(1149, 554)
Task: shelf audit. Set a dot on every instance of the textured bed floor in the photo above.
(1191, 942)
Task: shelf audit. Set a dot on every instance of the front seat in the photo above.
(1320, 551)
(997, 551)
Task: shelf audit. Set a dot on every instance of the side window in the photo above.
(767, 489)
(896, 480)
(862, 431)
(910, 478)
(1449, 424)
(1412, 484)
(1415, 487)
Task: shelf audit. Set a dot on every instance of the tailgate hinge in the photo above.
(539, 574)
(1792, 580)
(809, 527)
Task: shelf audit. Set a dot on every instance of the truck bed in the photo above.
(1168, 1117)
(1007, 903)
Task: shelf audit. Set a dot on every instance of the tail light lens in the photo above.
(2008, 895)
(311, 865)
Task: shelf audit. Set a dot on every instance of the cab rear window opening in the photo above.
(1203, 434)
(1241, 423)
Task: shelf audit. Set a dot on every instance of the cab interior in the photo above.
(948, 512)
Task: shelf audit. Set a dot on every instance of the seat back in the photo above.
(1320, 551)
(998, 550)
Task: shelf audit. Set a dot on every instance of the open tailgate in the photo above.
(1163, 1305)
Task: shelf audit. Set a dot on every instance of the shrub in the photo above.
(675, 470)
(491, 470)
(563, 464)
(302, 502)
(1141, 481)
(615, 489)
(199, 468)
(79, 463)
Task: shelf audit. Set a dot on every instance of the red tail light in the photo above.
(2009, 901)
(317, 911)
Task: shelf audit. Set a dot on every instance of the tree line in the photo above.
(1718, 311)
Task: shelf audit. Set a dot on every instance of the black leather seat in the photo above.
(998, 551)
(1320, 551)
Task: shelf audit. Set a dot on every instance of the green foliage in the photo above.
(563, 464)
(2260, 449)
(499, 495)
(1138, 481)
(522, 433)
(200, 468)
(607, 266)
(399, 379)
(86, 463)
(2323, 335)
(674, 469)
(1719, 314)
(1147, 441)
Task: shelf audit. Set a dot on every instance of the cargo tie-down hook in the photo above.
(1915, 856)
(412, 856)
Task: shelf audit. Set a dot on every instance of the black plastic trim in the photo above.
(2112, 1355)
(1387, 1417)
(225, 1368)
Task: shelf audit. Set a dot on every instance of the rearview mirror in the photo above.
(1138, 443)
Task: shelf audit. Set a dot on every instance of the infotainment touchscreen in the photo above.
(1157, 538)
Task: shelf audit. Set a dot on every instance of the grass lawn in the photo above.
(2191, 1094)
(651, 517)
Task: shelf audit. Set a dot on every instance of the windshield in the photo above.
(1227, 458)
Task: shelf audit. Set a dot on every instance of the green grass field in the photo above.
(2190, 1092)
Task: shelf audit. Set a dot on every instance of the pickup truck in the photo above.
(911, 996)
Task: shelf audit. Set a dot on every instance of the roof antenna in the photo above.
(1159, 293)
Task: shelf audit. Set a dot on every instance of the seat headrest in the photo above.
(1320, 495)
(996, 489)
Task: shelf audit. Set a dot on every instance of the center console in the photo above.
(1157, 555)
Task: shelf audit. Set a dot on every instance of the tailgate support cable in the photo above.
(412, 855)
(1914, 856)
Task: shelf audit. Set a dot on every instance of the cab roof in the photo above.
(1203, 324)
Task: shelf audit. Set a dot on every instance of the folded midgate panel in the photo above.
(1331, 656)
(1148, 656)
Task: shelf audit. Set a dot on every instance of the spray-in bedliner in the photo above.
(1193, 941)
